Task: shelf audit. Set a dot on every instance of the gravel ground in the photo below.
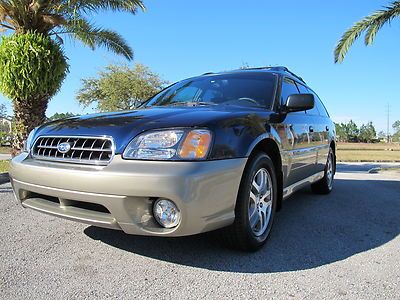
(345, 245)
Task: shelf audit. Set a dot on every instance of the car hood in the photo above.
(124, 126)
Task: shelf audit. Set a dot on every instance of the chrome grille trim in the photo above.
(89, 150)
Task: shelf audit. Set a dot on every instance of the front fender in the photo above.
(237, 137)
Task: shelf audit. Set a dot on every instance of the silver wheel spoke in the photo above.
(329, 170)
(266, 205)
(256, 186)
(253, 198)
(263, 181)
(261, 216)
(260, 202)
(254, 219)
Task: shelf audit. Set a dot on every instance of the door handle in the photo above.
(311, 129)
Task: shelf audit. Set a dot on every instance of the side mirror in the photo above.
(299, 102)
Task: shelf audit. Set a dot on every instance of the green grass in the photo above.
(4, 166)
(368, 152)
(367, 146)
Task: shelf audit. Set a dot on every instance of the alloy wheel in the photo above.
(260, 202)
(329, 170)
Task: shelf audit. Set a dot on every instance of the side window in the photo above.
(211, 96)
(304, 90)
(288, 88)
(318, 103)
(185, 94)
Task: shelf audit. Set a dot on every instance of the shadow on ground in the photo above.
(309, 232)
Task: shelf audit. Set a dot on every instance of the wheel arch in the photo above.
(271, 147)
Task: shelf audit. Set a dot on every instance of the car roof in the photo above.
(284, 71)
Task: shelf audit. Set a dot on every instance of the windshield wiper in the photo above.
(193, 103)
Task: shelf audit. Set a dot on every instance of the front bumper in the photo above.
(121, 195)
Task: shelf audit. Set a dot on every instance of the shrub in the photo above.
(31, 65)
(32, 69)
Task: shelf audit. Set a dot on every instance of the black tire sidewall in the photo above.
(259, 161)
(330, 156)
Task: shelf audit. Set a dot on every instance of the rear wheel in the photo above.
(325, 185)
(255, 205)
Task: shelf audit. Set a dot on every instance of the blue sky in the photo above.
(179, 39)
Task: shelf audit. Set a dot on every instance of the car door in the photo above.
(315, 125)
(323, 125)
(300, 156)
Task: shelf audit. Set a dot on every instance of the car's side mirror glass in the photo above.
(299, 102)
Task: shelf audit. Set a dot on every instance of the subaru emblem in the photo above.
(64, 147)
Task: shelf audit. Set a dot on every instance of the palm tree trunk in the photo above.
(29, 113)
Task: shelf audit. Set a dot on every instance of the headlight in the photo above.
(173, 144)
(28, 142)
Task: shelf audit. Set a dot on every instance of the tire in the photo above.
(254, 201)
(325, 185)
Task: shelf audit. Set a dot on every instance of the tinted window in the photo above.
(321, 108)
(186, 94)
(288, 88)
(304, 90)
(255, 89)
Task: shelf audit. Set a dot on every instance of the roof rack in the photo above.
(284, 69)
(278, 69)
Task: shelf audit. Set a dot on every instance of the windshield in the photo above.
(250, 89)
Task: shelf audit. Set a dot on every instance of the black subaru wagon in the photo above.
(217, 151)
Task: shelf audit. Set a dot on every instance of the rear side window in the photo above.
(288, 88)
(318, 103)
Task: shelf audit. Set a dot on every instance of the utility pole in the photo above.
(388, 123)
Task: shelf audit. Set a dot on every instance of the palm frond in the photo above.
(380, 18)
(54, 17)
(349, 37)
(371, 24)
(94, 37)
(90, 6)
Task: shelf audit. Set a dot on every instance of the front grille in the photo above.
(83, 150)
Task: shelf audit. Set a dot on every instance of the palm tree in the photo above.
(371, 24)
(44, 24)
(58, 18)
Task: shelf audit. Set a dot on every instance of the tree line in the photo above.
(396, 135)
(366, 133)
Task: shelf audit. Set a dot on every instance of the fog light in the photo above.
(166, 213)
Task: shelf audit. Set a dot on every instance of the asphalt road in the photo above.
(345, 245)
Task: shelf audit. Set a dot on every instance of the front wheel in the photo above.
(255, 205)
